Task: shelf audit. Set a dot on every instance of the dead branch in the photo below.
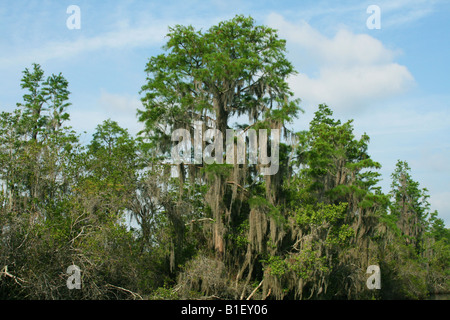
(134, 294)
(7, 274)
(256, 289)
(268, 293)
(238, 185)
(199, 220)
(212, 297)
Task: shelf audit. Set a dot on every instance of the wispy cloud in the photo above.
(126, 37)
(394, 13)
(402, 13)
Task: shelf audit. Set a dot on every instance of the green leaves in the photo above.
(302, 265)
(111, 164)
(308, 231)
(276, 265)
(319, 214)
(338, 166)
(409, 204)
(45, 102)
(233, 68)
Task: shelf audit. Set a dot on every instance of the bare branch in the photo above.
(199, 220)
(268, 294)
(134, 294)
(256, 289)
(237, 184)
(7, 274)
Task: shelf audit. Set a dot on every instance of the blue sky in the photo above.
(393, 81)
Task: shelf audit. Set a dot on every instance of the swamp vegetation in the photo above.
(207, 231)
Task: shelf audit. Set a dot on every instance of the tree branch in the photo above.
(7, 274)
(125, 290)
(268, 294)
(237, 184)
(199, 220)
(256, 289)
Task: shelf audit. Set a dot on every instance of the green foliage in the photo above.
(217, 170)
(240, 237)
(409, 205)
(319, 214)
(163, 293)
(276, 265)
(215, 231)
(233, 68)
(306, 263)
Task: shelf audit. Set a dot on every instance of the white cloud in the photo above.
(351, 70)
(344, 49)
